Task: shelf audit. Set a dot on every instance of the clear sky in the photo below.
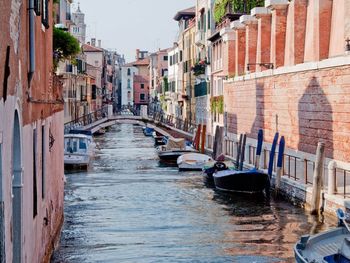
(125, 25)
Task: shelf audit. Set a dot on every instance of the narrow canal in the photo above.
(129, 208)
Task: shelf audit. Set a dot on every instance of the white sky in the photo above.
(125, 25)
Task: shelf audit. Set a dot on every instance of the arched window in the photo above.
(129, 84)
(129, 72)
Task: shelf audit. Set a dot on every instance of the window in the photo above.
(93, 92)
(45, 13)
(180, 55)
(165, 58)
(37, 7)
(43, 152)
(171, 60)
(129, 72)
(142, 97)
(129, 84)
(35, 190)
(142, 86)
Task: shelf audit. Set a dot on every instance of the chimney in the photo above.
(93, 42)
(99, 43)
(137, 54)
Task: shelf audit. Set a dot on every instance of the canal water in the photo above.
(130, 208)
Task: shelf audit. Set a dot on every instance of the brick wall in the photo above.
(305, 107)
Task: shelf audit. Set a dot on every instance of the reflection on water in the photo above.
(129, 208)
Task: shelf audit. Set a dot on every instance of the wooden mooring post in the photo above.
(318, 179)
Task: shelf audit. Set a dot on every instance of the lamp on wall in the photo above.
(347, 46)
(266, 65)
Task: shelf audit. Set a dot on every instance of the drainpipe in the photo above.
(31, 41)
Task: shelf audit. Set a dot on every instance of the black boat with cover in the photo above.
(248, 181)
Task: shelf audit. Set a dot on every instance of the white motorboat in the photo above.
(193, 161)
(332, 246)
(78, 149)
(173, 150)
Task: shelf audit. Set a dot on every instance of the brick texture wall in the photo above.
(305, 107)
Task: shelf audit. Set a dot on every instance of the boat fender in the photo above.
(345, 248)
(303, 241)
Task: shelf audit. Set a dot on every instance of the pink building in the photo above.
(141, 90)
(141, 82)
(31, 135)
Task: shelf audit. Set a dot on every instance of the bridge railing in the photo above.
(86, 119)
(171, 120)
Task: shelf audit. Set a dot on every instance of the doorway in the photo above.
(17, 192)
(2, 223)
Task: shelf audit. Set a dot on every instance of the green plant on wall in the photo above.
(65, 46)
(220, 104)
(213, 105)
(217, 104)
(222, 7)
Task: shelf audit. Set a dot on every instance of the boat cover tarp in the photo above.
(174, 143)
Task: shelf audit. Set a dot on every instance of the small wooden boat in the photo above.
(148, 131)
(248, 181)
(332, 246)
(101, 131)
(78, 149)
(173, 150)
(192, 161)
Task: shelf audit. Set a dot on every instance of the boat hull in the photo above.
(76, 160)
(172, 155)
(192, 161)
(250, 181)
(322, 247)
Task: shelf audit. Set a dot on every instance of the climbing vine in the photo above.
(217, 104)
(223, 7)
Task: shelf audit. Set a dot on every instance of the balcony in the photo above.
(200, 38)
(167, 95)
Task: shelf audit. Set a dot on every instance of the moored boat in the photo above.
(332, 246)
(147, 131)
(78, 149)
(247, 181)
(192, 161)
(173, 150)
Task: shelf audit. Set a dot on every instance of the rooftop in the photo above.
(189, 12)
(89, 48)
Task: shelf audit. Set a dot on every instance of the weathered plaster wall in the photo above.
(37, 103)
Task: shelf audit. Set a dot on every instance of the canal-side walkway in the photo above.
(129, 208)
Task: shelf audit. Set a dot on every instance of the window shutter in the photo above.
(45, 13)
(37, 7)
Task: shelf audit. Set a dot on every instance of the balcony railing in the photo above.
(200, 38)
